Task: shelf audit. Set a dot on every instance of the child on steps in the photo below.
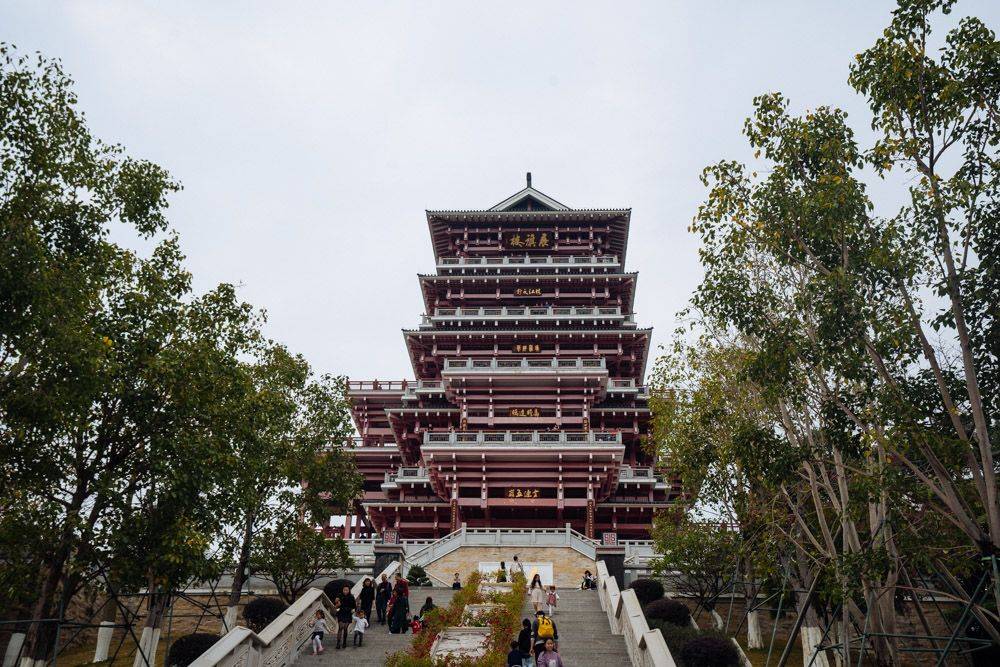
(318, 630)
(552, 599)
(360, 625)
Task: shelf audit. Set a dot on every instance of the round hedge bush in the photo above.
(259, 612)
(669, 611)
(335, 588)
(188, 648)
(417, 576)
(709, 652)
(647, 590)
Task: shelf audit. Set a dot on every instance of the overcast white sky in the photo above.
(310, 137)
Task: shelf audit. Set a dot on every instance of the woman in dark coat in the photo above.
(399, 607)
(366, 597)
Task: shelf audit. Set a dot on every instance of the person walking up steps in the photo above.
(360, 625)
(551, 600)
(318, 630)
(382, 595)
(537, 592)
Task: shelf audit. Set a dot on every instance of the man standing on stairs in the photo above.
(382, 594)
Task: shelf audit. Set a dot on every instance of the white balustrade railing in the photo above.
(645, 647)
(533, 438)
(503, 537)
(530, 260)
(525, 364)
(277, 645)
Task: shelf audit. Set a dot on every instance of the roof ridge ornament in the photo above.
(529, 199)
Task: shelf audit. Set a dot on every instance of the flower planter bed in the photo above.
(476, 627)
(459, 643)
(478, 614)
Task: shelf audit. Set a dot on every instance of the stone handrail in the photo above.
(388, 572)
(507, 537)
(277, 645)
(645, 647)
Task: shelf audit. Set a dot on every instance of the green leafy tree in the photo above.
(289, 452)
(868, 343)
(292, 555)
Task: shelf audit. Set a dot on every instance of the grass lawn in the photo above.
(758, 657)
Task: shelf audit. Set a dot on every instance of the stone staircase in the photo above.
(584, 637)
(378, 640)
(585, 640)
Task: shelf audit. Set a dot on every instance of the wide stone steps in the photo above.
(585, 638)
(379, 642)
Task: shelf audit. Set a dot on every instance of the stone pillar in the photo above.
(386, 554)
(614, 559)
(589, 530)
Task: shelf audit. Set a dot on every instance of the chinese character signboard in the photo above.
(522, 493)
(524, 412)
(527, 348)
(528, 291)
(529, 240)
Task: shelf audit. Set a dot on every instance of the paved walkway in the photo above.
(379, 642)
(585, 639)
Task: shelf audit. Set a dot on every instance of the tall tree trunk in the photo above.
(157, 603)
(239, 576)
(40, 638)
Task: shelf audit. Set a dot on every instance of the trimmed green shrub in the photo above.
(674, 635)
(709, 651)
(417, 576)
(335, 588)
(669, 611)
(647, 590)
(188, 648)
(259, 612)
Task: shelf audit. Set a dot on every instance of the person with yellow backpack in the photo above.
(542, 630)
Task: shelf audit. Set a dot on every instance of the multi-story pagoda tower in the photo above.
(528, 407)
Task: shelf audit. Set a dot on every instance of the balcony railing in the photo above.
(377, 385)
(537, 313)
(530, 260)
(527, 364)
(629, 475)
(527, 438)
(627, 386)
(530, 311)
(415, 475)
(357, 442)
